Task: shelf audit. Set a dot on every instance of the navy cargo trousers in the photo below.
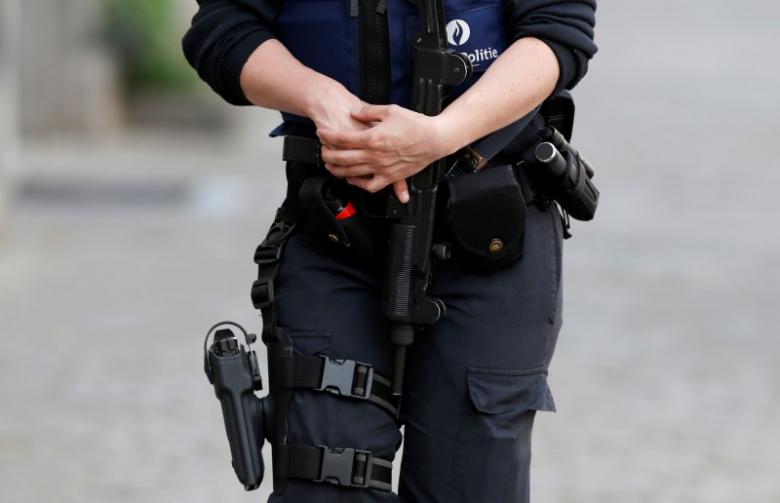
(474, 380)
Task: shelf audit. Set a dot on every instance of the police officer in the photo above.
(340, 73)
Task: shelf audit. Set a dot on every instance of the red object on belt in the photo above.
(348, 211)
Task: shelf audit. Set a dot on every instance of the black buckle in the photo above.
(267, 254)
(262, 293)
(345, 467)
(281, 226)
(338, 377)
(270, 250)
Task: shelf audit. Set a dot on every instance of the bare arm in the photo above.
(274, 78)
(231, 44)
(517, 82)
(402, 142)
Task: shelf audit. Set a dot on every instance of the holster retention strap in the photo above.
(344, 378)
(340, 466)
(349, 379)
(267, 257)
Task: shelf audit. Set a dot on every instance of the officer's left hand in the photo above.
(399, 144)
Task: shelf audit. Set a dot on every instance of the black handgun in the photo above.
(232, 368)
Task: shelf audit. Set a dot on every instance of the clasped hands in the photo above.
(384, 145)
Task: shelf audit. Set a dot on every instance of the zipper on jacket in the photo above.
(374, 50)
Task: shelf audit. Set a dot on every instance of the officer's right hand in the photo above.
(331, 109)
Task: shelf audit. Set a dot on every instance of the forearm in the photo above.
(517, 82)
(273, 78)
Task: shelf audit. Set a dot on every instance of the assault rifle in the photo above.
(405, 299)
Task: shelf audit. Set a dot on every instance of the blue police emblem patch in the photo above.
(458, 32)
(476, 33)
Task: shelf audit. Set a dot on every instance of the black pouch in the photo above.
(486, 213)
(335, 219)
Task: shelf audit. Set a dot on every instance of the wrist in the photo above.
(320, 91)
(450, 136)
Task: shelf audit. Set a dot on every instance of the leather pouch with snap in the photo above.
(486, 213)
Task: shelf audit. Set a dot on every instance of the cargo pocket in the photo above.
(495, 435)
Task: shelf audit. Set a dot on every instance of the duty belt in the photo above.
(307, 151)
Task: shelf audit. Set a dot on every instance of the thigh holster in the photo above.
(289, 371)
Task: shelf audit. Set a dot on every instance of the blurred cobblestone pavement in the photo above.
(666, 376)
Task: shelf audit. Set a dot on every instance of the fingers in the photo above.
(378, 182)
(350, 157)
(401, 191)
(371, 113)
(351, 171)
(365, 139)
(373, 138)
(372, 184)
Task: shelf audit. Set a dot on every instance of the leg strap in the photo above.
(339, 466)
(267, 257)
(345, 378)
(287, 371)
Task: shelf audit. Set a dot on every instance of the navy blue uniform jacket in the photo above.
(224, 33)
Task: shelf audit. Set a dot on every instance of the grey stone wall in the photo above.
(9, 13)
(68, 81)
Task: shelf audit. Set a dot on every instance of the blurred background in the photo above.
(131, 200)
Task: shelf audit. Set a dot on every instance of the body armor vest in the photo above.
(367, 44)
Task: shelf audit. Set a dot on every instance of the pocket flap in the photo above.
(496, 391)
